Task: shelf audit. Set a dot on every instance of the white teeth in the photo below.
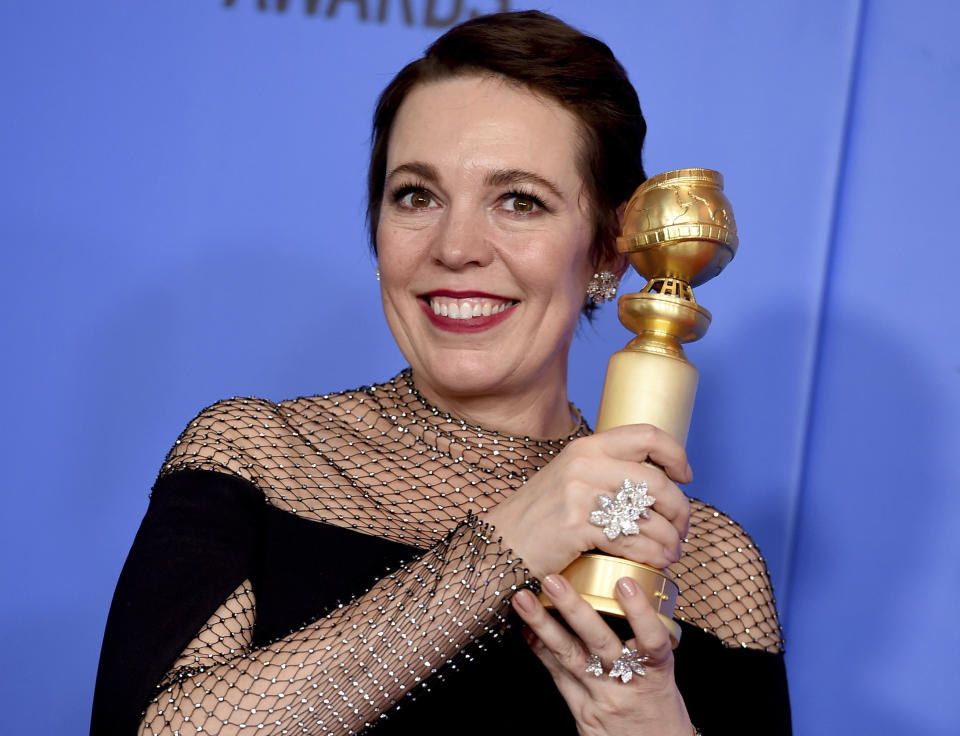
(465, 309)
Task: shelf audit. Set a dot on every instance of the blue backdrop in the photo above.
(181, 187)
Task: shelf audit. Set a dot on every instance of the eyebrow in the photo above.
(417, 168)
(506, 177)
(498, 178)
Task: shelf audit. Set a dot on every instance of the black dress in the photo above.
(210, 532)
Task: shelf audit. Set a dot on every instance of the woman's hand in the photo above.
(603, 705)
(547, 522)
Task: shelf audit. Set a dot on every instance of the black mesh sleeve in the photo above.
(191, 550)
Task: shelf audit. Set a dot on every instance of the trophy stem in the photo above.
(647, 386)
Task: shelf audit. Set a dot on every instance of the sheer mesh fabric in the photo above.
(724, 586)
(381, 461)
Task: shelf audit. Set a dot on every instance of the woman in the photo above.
(321, 564)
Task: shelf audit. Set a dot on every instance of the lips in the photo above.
(465, 311)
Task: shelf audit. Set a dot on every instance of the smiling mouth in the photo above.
(467, 308)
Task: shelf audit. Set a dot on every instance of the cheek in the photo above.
(580, 271)
(400, 238)
(580, 266)
(560, 270)
(394, 253)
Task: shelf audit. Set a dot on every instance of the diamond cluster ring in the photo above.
(629, 663)
(618, 515)
(594, 665)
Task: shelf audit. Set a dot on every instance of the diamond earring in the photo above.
(603, 287)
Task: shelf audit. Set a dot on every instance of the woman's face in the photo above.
(484, 240)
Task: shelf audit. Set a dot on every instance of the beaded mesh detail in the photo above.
(724, 586)
(382, 461)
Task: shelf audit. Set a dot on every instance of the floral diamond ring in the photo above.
(618, 515)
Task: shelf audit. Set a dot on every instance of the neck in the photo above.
(540, 411)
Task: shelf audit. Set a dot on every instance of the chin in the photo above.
(463, 376)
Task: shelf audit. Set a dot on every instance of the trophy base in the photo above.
(594, 576)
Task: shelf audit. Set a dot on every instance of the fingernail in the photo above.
(523, 601)
(554, 585)
(689, 473)
(628, 587)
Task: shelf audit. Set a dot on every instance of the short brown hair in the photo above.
(550, 57)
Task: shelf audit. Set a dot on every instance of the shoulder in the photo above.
(252, 437)
(225, 437)
(725, 588)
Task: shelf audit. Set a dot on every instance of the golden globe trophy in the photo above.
(678, 232)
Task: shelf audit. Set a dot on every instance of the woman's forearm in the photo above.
(345, 670)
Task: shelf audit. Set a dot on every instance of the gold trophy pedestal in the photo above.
(594, 576)
(678, 232)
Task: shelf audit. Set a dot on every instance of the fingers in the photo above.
(564, 647)
(650, 635)
(672, 504)
(568, 683)
(658, 543)
(613, 701)
(586, 623)
(589, 633)
(548, 523)
(654, 540)
(644, 442)
(569, 648)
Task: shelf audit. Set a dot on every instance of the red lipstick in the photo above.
(465, 295)
(473, 324)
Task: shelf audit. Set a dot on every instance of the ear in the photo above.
(620, 212)
(618, 262)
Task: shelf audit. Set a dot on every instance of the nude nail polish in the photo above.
(627, 587)
(553, 584)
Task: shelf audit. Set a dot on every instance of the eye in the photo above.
(415, 198)
(522, 204)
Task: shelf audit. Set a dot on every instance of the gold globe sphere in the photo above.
(679, 225)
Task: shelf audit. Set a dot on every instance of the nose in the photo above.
(462, 239)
